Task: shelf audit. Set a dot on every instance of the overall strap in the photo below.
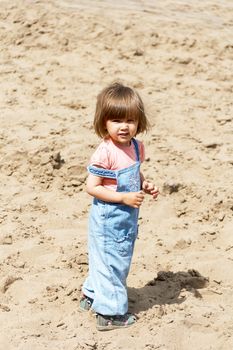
(136, 149)
(111, 174)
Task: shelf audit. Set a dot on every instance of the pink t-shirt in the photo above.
(112, 156)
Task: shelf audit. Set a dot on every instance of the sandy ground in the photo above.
(55, 57)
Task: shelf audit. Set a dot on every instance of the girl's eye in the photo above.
(130, 121)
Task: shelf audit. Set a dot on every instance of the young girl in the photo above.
(118, 187)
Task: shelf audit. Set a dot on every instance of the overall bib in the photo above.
(112, 233)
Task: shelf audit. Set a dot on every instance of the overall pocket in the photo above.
(121, 228)
(124, 242)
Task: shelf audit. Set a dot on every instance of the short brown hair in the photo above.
(119, 101)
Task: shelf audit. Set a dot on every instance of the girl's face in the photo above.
(122, 130)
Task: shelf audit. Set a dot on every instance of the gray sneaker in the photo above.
(85, 303)
(106, 323)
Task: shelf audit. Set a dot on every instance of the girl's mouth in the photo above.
(123, 134)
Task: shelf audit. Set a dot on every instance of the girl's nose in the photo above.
(124, 125)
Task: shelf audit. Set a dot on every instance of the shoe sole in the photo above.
(83, 310)
(110, 328)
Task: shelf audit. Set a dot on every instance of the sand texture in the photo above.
(55, 57)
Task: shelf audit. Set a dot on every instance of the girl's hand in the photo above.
(149, 188)
(133, 199)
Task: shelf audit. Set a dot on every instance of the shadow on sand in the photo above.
(166, 289)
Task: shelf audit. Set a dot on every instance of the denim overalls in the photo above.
(112, 232)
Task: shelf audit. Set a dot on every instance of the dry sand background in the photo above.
(55, 58)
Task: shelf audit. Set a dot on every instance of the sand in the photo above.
(55, 57)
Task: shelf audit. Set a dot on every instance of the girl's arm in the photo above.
(96, 189)
(148, 187)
